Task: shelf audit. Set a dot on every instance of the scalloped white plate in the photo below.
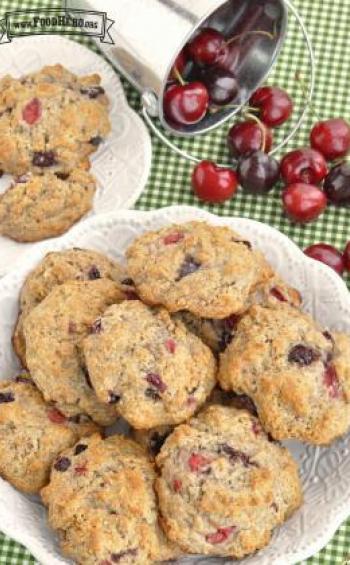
(121, 165)
(325, 472)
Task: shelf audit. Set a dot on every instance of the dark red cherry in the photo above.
(156, 381)
(186, 104)
(189, 266)
(346, 256)
(222, 85)
(331, 381)
(62, 464)
(207, 46)
(303, 165)
(248, 136)
(303, 202)
(303, 355)
(337, 184)
(7, 397)
(212, 183)
(44, 159)
(275, 105)
(178, 65)
(331, 138)
(327, 254)
(257, 172)
(229, 58)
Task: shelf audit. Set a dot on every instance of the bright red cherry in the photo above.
(327, 254)
(186, 103)
(207, 47)
(248, 136)
(32, 111)
(178, 65)
(331, 138)
(303, 202)
(346, 256)
(275, 105)
(304, 165)
(212, 183)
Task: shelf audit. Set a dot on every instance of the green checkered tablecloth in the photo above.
(328, 22)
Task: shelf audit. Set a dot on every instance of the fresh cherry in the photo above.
(275, 105)
(178, 66)
(346, 256)
(207, 47)
(212, 183)
(303, 202)
(248, 136)
(257, 172)
(327, 254)
(222, 85)
(331, 138)
(337, 184)
(229, 58)
(186, 103)
(304, 165)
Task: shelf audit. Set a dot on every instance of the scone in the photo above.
(102, 503)
(50, 120)
(54, 331)
(147, 365)
(205, 269)
(297, 375)
(223, 486)
(153, 439)
(217, 334)
(59, 267)
(36, 207)
(32, 434)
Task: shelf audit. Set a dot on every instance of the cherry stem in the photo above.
(246, 33)
(215, 109)
(262, 129)
(341, 160)
(301, 81)
(178, 76)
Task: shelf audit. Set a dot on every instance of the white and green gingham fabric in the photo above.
(328, 22)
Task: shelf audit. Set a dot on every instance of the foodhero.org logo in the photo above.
(21, 23)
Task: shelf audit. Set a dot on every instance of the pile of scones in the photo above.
(51, 121)
(201, 348)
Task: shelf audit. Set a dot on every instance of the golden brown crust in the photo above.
(217, 334)
(54, 331)
(207, 270)
(56, 268)
(152, 369)
(42, 206)
(50, 119)
(32, 434)
(102, 503)
(296, 375)
(224, 486)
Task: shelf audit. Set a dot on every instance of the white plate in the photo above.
(121, 165)
(325, 472)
